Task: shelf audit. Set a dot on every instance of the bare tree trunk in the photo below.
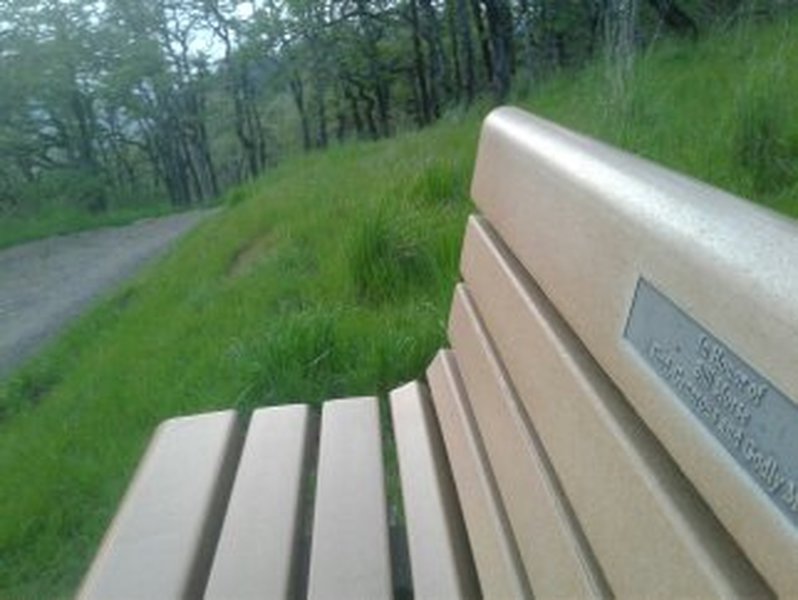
(423, 112)
(620, 23)
(432, 34)
(369, 113)
(321, 114)
(456, 84)
(253, 125)
(298, 93)
(247, 120)
(525, 18)
(500, 24)
(382, 91)
(675, 18)
(464, 32)
(340, 114)
(354, 109)
(484, 41)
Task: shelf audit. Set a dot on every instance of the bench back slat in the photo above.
(555, 555)
(644, 521)
(588, 222)
(350, 554)
(498, 562)
(440, 558)
(161, 542)
(258, 551)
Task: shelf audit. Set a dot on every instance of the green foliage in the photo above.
(440, 182)
(112, 106)
(719, 109)
(763, 145)
(236, 195)
(26, 389)
(387, 258)
(60, 219)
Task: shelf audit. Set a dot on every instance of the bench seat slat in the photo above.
(350, 548)
(552, 546)
(258, 548)
(501, 573)
(161, 541)
(641, 516)
(440, 559)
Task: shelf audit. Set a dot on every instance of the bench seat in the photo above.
(295, 505)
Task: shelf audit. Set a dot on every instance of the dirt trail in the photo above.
(46, 283)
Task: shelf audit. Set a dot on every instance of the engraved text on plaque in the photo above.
(755, 422)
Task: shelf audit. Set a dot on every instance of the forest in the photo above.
(107, 104)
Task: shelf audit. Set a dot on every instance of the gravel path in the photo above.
(46, 283)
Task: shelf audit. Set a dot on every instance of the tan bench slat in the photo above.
(557, 558)
(587, 221)
(642, 518)
(501, 574)
(349, 555)
(161, 541)
(257, 552)
(440, 558)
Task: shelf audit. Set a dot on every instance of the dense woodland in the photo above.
(111, 102)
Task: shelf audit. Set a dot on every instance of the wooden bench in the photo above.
(616, 417)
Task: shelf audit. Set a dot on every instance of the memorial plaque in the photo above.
(755, 422)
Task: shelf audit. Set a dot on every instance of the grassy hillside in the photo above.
(332, 275)
(721, 109)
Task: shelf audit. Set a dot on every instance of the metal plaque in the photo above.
(754, 421)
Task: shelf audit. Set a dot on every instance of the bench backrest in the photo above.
(623, 376)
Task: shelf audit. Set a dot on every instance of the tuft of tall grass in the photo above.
(26, 389)
(387, 255)
(720, 109)
(763, 146)
(439, 182)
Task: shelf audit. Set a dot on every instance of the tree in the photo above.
(237, 67)
(620, 25)
(107, 101)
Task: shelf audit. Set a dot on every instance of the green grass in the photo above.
(57, 220)
(721, 109)
(332, 276)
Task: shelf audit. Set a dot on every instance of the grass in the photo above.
(332, 276)
(58, 220)
(721, 109)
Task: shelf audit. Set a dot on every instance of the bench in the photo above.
(616, 416)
